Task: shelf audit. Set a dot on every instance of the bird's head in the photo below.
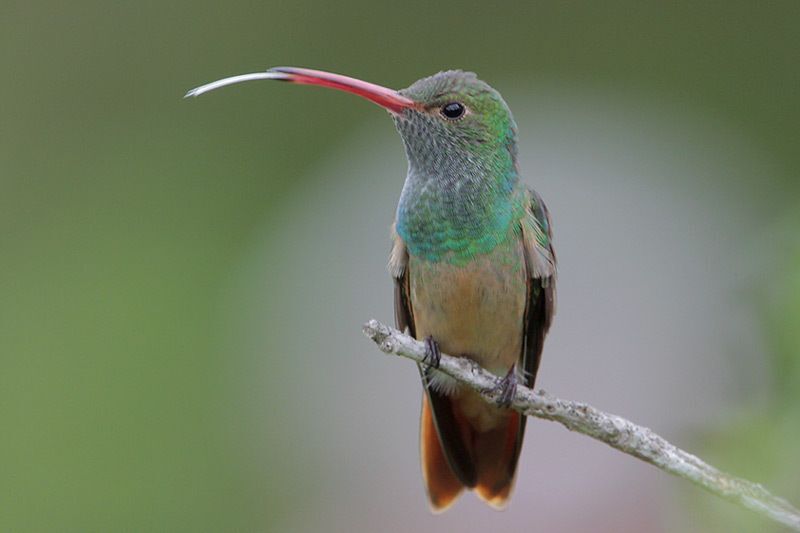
(456, 118)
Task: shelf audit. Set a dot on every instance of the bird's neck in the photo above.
(454, 210)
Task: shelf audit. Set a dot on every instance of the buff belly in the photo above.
(474, 310)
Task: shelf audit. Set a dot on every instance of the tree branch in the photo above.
(614, 430)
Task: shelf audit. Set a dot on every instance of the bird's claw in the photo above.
(433, 355)
(506, 388)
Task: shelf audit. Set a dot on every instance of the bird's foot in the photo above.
(506, 388)
(433, 355)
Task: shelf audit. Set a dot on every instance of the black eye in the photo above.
(453, 110)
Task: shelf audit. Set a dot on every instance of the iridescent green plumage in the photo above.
(461, 193)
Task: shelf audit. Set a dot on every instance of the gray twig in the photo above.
(611, 429)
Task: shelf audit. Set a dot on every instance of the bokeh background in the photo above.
(182, 282)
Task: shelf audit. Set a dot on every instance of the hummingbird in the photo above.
(473, 267)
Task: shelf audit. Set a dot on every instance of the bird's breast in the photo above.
(474, 309)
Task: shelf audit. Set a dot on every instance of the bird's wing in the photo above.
(398, 268)
(540, 262)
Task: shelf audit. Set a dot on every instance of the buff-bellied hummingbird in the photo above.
(473, 267)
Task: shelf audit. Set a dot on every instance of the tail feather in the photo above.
(442, 484)
(496, 454)
(491, 455)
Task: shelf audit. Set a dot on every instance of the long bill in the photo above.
(383, 96)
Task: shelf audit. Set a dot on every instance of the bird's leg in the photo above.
(432, 353)
(506, 388)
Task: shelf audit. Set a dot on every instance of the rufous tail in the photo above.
(492, 456)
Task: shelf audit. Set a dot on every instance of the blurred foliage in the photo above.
(124, 209)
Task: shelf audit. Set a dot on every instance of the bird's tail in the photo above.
(487, 460)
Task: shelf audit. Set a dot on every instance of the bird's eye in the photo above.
(453, 110)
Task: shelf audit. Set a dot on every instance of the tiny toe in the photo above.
(507, 388)
(433, 355)
(507, 397)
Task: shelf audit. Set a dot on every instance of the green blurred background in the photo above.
(182, 282)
